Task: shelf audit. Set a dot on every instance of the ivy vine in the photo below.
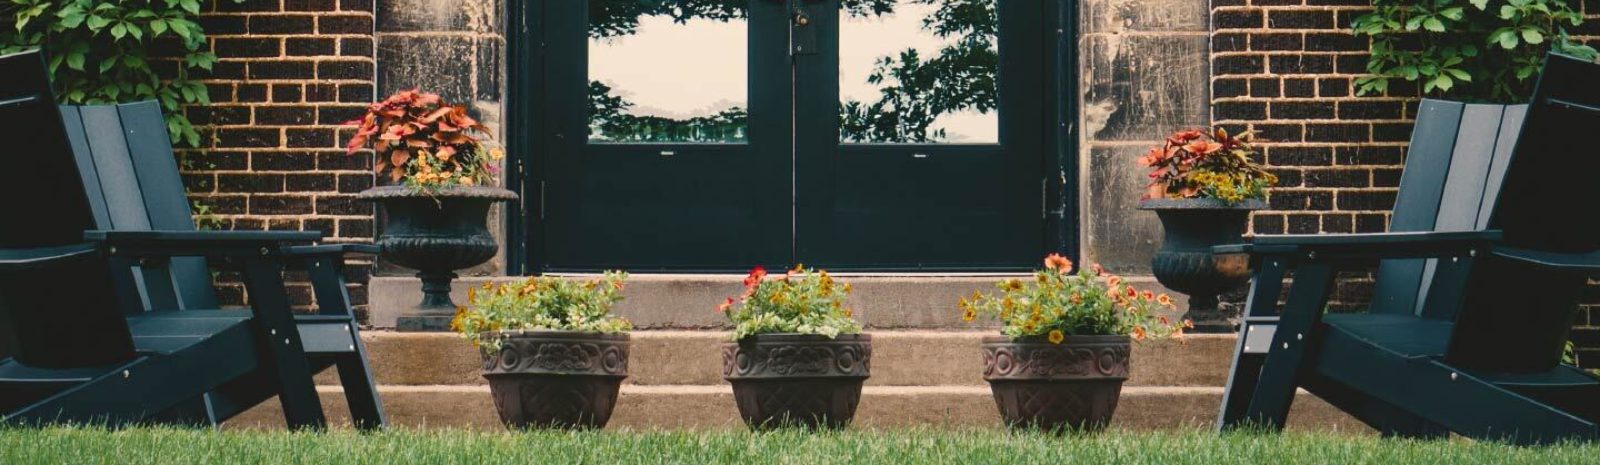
(1473, 50)
(111, 51)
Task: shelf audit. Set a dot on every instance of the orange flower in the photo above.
(1164, 300)
(1181, 137)
(726, 304)
(1076, 298)
(1058, 263)
(1189, 324)
(1114, 281)
(1147, 295)
(1132, 293)
(1056, 336)
(1099, 270)
(1138, 333)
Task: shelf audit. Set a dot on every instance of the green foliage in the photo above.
(803, 301)
(542, 303)
(105, 51)
(1472, 50)
(1058, 303)
(914, 90)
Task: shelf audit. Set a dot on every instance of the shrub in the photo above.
(1472, 50)
(803, 301)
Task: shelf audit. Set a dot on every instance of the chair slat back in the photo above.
(64, 316)
(1515, 318)
(1457, 153)
(127, 152)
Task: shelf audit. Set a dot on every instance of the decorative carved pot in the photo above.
(1184, 263)
(436, 233)
(1073, 385)
(556, 379)
(801, 380)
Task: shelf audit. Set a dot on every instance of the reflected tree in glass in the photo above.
(913, 90)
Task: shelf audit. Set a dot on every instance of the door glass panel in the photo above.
(662, 73)
(919, 71)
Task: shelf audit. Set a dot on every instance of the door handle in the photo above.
(802, 31)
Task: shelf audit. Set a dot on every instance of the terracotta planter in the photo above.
(1184, 263)
(1073, 385)
(804, 380)
(556, 379)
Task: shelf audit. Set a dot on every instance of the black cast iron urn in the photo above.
(1184, 263)
(435, 232)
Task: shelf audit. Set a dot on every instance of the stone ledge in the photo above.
(687, 301)
(712, 407)
(900, 358)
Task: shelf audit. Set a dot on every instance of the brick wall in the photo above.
(290, 72)
(1284, 68)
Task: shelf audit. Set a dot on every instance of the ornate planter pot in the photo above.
(556, 379)
(1073, 385)
(1184, 263)
(802, 380)
(435, 233)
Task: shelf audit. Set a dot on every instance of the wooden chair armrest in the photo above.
(12, 260)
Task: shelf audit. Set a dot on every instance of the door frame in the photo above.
(523, 124)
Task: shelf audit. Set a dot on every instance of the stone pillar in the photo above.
(455, 48)
(1144, 73)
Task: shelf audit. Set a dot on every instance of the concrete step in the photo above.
(900, 358)
(712, 407)
(686, 301)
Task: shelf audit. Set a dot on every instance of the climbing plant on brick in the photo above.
(110, 51)
(1473, 50)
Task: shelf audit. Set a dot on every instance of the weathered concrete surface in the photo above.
(1145, 72)
(455, 48)
(688, 301)
(711, 407)
(899, 358)
(1117, 234)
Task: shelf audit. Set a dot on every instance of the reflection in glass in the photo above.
(667, 71)
(919, 71)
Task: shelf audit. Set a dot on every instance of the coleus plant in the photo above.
(424, 142)
(1196, 164)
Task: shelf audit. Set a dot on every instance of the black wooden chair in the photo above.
(1476, 290)
(106, 299)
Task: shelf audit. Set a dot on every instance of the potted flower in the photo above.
(1062, 353)
(1203, 186)
(553, 353)
(442, 183)
(797, 357)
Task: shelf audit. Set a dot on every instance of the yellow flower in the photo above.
(969, 315)
(456, 323)
(497, 154)
(1056, 337)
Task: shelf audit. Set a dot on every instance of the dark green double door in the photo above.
(774, 182)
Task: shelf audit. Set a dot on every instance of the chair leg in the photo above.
(327, 284)
(1286, 359)
(283, 354)
(1260, 309)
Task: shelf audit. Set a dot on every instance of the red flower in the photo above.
(755, 277)
(725, 305)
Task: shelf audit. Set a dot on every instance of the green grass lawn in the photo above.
(141, 446)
